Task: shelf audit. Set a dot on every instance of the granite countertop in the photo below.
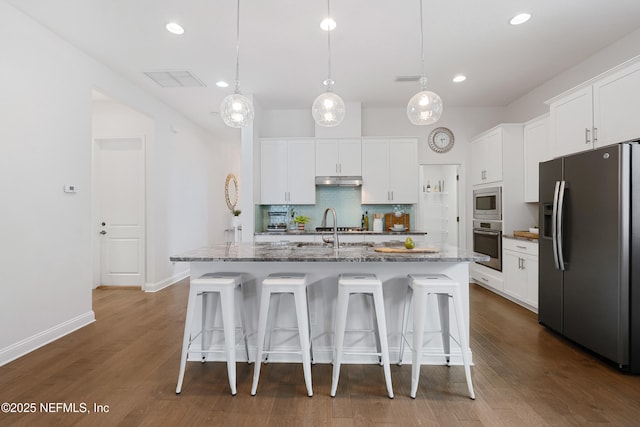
(313, 252)
(313, 233)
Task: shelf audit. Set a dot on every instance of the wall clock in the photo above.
(441, 140)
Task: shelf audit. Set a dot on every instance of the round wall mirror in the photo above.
(231, 192)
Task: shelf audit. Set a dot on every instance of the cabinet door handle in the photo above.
(392, 195)
(521, 247)
(595, 134)
(587, 140)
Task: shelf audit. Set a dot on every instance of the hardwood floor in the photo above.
(523, 376)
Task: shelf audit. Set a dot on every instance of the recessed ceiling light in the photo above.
(459, 78)
(520, 19)
(328, 24)
(175, 28)
(222, 83)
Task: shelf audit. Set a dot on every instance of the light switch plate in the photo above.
(70, 188)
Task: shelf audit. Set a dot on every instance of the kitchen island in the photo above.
(322, 264)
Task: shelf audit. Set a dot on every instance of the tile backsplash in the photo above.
(345, 200)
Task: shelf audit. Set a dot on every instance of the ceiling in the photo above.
(283, 51)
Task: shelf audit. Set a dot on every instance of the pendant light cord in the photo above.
(329, 79)
(423, 79)
(237, 90)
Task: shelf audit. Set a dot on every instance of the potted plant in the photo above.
(301, 220)
(235, 223)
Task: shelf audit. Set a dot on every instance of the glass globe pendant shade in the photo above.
(424, 108)
(236, 110)
(328, 109)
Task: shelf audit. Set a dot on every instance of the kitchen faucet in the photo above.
(335, 227)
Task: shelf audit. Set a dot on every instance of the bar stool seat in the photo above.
(367, 284)
(226, 285)
(296, 285)
(446, 289)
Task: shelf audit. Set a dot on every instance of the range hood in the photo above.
(339, 181)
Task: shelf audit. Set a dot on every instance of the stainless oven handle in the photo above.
(554, 225)
(559, 218)
(487, 233)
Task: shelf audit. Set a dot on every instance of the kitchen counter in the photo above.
(322, 265)
(341, 233)
(313, 252)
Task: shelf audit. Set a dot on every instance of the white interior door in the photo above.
(121, 188)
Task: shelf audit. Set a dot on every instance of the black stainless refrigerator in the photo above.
(589, 266)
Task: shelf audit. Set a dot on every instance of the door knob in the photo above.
(103, 232)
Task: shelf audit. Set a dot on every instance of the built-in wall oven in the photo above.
(487, 203)
(487, 240)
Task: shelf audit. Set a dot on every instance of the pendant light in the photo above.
(328, 109)
(236, 109)
(425, 107)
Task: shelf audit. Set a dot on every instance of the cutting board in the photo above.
(525, 234)
(405, 250)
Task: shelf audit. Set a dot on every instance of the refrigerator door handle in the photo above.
(554, 225)
(559, 218)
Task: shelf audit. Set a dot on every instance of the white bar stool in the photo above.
(420, 286)
(367, 284)
(225, 285)
(285, 283)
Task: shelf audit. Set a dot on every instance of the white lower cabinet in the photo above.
(520, 271)
(487, 277)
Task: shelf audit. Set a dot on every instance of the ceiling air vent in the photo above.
(402, 79)
(174, 78)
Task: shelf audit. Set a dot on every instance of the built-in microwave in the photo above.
(487, 203)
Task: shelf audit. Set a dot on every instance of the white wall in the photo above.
(532, 104)
(45, 250)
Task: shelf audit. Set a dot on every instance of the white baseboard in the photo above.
(155, 287)
(34, 342)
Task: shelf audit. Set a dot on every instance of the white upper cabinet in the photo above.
(572, 123)
(341, 157)
(287, 172)
(390, 171)
(616, 107)
(486, 157)
(375, 171)
(605, 111)
(536, 150)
